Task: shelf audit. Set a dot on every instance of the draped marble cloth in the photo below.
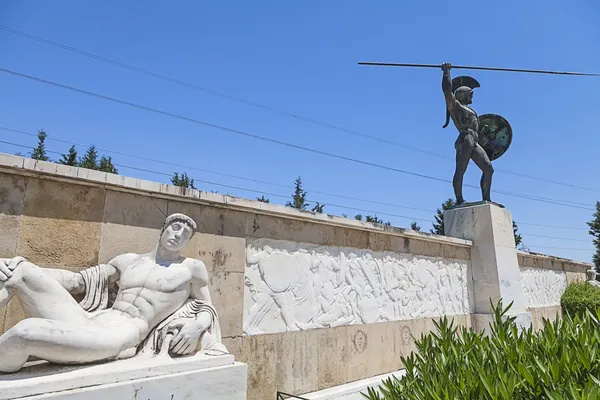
(100, 294)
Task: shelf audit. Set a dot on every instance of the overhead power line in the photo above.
(240, 188)
(259, 191)
(282, 143)
(271, 109)
(561, 248)
(555, 237)
(188, 167)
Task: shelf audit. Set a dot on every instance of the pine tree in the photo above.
(594, 225)
(183, 181)
(438, 225)
(69, 159)
(414, 226)
(373, 219)
(318, 207)
(299, 196)
(90, 159)
(358, 217)
(518, 237)
(39, 153)
(106, 165)
(263, 199)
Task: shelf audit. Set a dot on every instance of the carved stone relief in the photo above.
(543, 287)
(296, 286)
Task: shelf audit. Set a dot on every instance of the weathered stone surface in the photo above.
(9, 226)
(333, 356)
(132, 223)
(63, 201)
(297, 369)
(46, 241)
(12, 194)
(227, 292)
(61, 223)
(265, 226)
(262, 353)
(219, 253)
(120, 239)
(123, 208)
(495, 268)
(575, 277)
(540, 313)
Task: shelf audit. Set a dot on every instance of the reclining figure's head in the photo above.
(177, 231)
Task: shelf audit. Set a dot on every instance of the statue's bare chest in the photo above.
(149, 275)
(465, 118)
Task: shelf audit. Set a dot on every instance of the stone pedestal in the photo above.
(147, 378)
(495, 272)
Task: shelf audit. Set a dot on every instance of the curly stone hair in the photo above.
(177, 217)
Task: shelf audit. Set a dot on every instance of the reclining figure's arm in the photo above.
(73, 282)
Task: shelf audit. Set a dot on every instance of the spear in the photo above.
(534, 71)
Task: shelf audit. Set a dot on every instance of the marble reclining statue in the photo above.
(135, 304)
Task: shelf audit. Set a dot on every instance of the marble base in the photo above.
(495, 272)
(352, 390)
(147, 378)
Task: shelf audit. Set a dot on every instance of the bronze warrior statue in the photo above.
(467, 122)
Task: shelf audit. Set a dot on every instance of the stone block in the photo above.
(371, 350)
(219, 253)
(234, 345)
(297, 365)
(213, 220)
(223, 222)
(61, 200)
(12, 194)
(61, 223)
(575, 277)
(67, 170)
(538, 314)
(91, 175)
(150, 186)
(9, 227)
(11, 161)
(120, 239)
(380, 242)
(46, 241)
(213, 378)
(130, 209)
(262, 353)
(495, 267)
(265, 226)
(227, 293)
(333, 356)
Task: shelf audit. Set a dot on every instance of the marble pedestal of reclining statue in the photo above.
(146, 324)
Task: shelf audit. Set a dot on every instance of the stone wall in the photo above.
(308, 300)
(544, 279)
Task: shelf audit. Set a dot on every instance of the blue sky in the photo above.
(301, 57)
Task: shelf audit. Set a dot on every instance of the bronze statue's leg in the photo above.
(464, 150)
(481, 159)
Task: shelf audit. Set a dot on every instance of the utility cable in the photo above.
(375, 213)
(268, 108)
(291, 145)
(286, 196)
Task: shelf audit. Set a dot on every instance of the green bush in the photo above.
(580, 296)
(561, 361)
